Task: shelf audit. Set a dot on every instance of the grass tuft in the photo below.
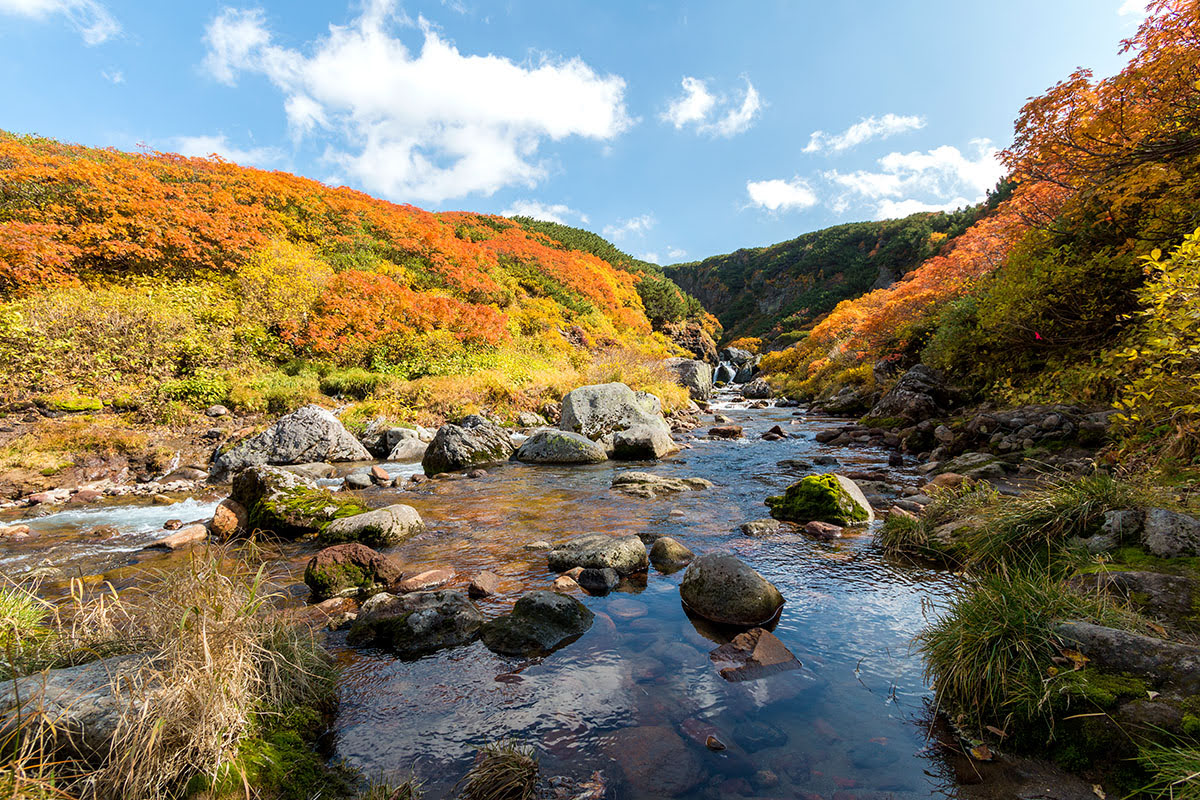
(502, 771)
(1175, 769)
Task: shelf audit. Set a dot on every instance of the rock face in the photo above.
(1169, 534)
(602, 411)
(920, 393)
(753, 654)
(471, 442)
(383, 527)
(692, 337)
(540, 622)
(668, 555)
(655, 760)
(758, 389)
(824, 498)
(417, 623)
(1161, 662)
(349, 569)
(306, 435)
(719, 587)
(649, 485)
(550, 446)
(626, 555)
(695, 375)
(285, 504)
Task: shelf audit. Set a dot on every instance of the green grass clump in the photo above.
(903, 535)
(502, 771)
(355, 382)
(1175, 768)
(23, 624)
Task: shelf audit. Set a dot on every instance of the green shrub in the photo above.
(273, 392)
(199, 390)
(354, 382)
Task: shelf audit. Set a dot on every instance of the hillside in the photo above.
(784, 287)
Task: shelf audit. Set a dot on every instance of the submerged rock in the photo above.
(719, 587)
(539, 623)
(308, 434)
(766, 527)
(549, 446)
(753, 654)
(350, 569)
(823, 498)
(655, 760)
(383, 527)
(417, 623)
(625, 554)
(649, 485)
(470, 442)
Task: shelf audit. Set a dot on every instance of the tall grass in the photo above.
(1175, 769)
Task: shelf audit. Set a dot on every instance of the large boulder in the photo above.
(643, 443)
(601, 411)
(1170, 534)
(306, 435)
(417, 623)
(539, 623)
(719, 587)
(758, 389)
(736, 356)
(920, 394)
(470, 442)
(1163, 663)
(823, 498)
(285, 504)
(350, 569)
(625, 554)
(725, 374)
(695, 375)
(550, 446)
(382, 527)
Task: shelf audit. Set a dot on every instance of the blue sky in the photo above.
(679, 130)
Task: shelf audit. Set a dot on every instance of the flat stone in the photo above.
(753, 654)
(484, 584)
(725, 432)
(625, 554)
(824, 531)
(184, 537)
(424, 581)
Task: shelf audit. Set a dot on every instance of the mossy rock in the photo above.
(74, 403)
(825, 498)
(301, 511)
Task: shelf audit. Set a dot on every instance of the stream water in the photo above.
(637, 695)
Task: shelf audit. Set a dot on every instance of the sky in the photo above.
(677, 130)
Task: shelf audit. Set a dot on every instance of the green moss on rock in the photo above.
(300, 511)
(821, 498)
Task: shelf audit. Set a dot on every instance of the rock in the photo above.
(380, 477)
(724, 374)
(1169, 534)
(824, 498)
(668, 555)
(539, 623)
(550, 446)
(655, 760)
(485, 584)
(529, 419)
(350, 569)
(184, 537)
(538, 546)
(382, 527)
(1172, 598)
(948, 480)
(825, 461)
(216, 411)
(180, 474)
(314, 471)
(469, 443)
(565, 583)
(285, 504)
(424, 581)
(230, 519)
(1159, 661)
(693, 374)
(736, 356)
(308, 434)
(758, 389)
(601, 411)
(754, 736)
(357, 481)
(725, 432)
(692, 337)
(766, 527)
(412, 449)
(598, 581)
(625, 554)
(173, 524)
(968, 463)
(15, 533)
(719, 587)
(417, 623)
(649, 485)
(385, 442)
(1122, 525)
(643, 443)
(823, 530)
(920, 394)
(161, 500)
(751, 655)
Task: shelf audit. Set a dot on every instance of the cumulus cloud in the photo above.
(651, 257)
(625, 228)
(781, 195)
(698, 107)
(676, 253)
(93, 21)
(427, 125)
(864, 130)
(557, 212)
(204, 146)
(938, 179)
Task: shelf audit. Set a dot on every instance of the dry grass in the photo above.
(502, 771)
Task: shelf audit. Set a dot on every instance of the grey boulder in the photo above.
(602, 411)
(550, 446)
(1170, 534)
(695, 375)
(625, 554)
(417, 623)
(471, 442)
(306, 435)
(539, 623)
(382, 527)
(719, 587)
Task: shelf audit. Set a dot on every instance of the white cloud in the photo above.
(204, 146)
(696, 107)
(676, 253)
(557, 212)
(864, 130)
(1132, 7)
(938, 179)
(781, 195)
(93, 21)
(651, 257)
(114, 76)
(420, 126)
(624, 228)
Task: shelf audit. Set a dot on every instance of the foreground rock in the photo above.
(643, 443)
(602, 411)
(719, 587)
(823, 498)
(539, 623)
(417, 623)
(230, 519)
(1169, 534)
(383, 527)
(1163, 663)
(560, 447)
(655, 760)
(650, 486)
(471, 442)
(668, 555)
(753, 654)
(346, 570)
(306, 435)
(626, 555)
(182, 538)
(695, 375)
(286, 504)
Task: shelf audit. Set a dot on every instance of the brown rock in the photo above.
(900, 512)
(725, 432)
(380, 477)
(565, 583)
(948, 480)
(573, 573)
(424, 581)
(350, 568)
(172, 524)
(184, 537)
(14, 533)
(86, 496)
(823, 530)
(230, 519)
(754, 654)
(776, 431)
(484, 584)
(655, 760)
(161, 500)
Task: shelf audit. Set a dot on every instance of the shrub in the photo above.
(199, 390)
(355, 382)
(273, 392)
